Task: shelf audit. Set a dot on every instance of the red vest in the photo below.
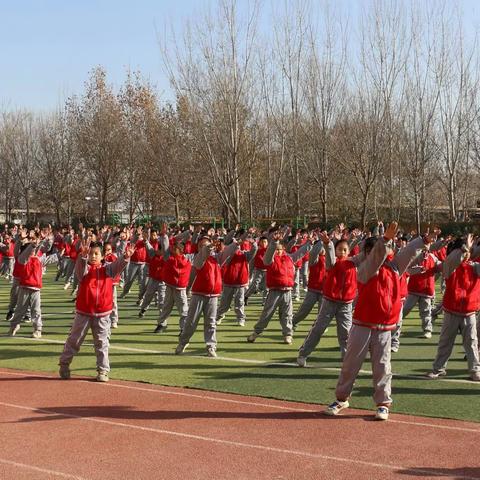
(110, 258)
(155, 267)
(379, 303)
(31, 273)
(316, 275)
(341, 282)
(140, 253)
(462, 294)
(441, 254)
(187, 248)
(11, 248)
(236, 272)
(281, 273)
(404, 286)
(354, 251)
(208, 279)
(176, 271)
(66, 252)
(258, 260)
(299, 262)
(424, 283)
(73, 251)
(95, 292)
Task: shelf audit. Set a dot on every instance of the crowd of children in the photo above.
(368, 281)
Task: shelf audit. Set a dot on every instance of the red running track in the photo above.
(80, 429)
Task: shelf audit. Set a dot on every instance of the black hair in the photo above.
(96, 245)
(263, 238)
(454, 244)
(342, 240)
(107, 243)
(369, 244)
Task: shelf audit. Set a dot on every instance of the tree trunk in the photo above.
(177, 210)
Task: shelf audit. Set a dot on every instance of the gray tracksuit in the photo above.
(99, 324)
(363, 339)
(455, 321)
(279, 298)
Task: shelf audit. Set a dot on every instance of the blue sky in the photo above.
(47, 47)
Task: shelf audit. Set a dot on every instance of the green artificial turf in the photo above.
(138, 354)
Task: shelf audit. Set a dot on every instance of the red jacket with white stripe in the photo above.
(281, 273)
(208, 279)
(176, 271)
(341, 281)
(462, 295)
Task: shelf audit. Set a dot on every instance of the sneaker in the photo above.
(114, 325)
(426, 334)
(336, 407)
(211, 352)
(241, 323)
(13, 330)
(26, 319)
(64, 372)
(301, 361)
(434, 375)
(9, 315)
(475, 377)
(141, 313)
(288, 339)
(297, 299)
(66, 286)
(159, 329)
(102, 376)
(394, 348)
(252, 337)
(137, 303)
(219, 319)
(181, 348)
(37, 334)
(382, 413)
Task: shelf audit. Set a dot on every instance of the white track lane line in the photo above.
(41, 470)
(250, 361)
(242, 402)
(233, 443)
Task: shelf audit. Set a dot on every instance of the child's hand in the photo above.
(391, 231)
(469, 241)
(85, 247)
(324, 238)
(129, 251)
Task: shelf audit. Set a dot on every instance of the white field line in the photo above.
(41, 470)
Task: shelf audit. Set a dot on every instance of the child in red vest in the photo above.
(421, 289)
(376, 314)
(137, 267)
(206, 289)
(280, 278)
(257, 283)
(176, 275)
(235, 280)
(94, 305)
(32, 262)
(339, 292)
(316, 277)
(461, 301)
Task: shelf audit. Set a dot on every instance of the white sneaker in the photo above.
(37, 334)
(181, 348)
(102, 376)
(211, 352)
(13, 330)
(475, 377)
(288, 339)
(302, 361)
(252, 337)
(114, 325)
(434, 375)
(241, 323)
(220, 319)
(382, 413)
(336, 407)
(66, 286)
(394, 348)
(426, 334)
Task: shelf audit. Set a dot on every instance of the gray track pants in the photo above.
(311, 298)
(398, 329)
(13, 294)
(100, 327)
(114, 314)
(424, 308)
(69, 268)
(136, 270)
(361, 340)
(450, 326)
(238, 295)
(257, 284)
(343, 315)
(281, 299)
(177, 297)
(208, 306)
(154, 287)
(28, 299)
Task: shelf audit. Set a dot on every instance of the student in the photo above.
(94, 305)
(137, 267)
(8, 260)
(339, 293)
(421, 288)
(316, 278)
(32, 261)
(176, 275)
(280, 278)
(110, 257)
(235, 280)
(460, 304)
(376, 315)
(257, 283)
